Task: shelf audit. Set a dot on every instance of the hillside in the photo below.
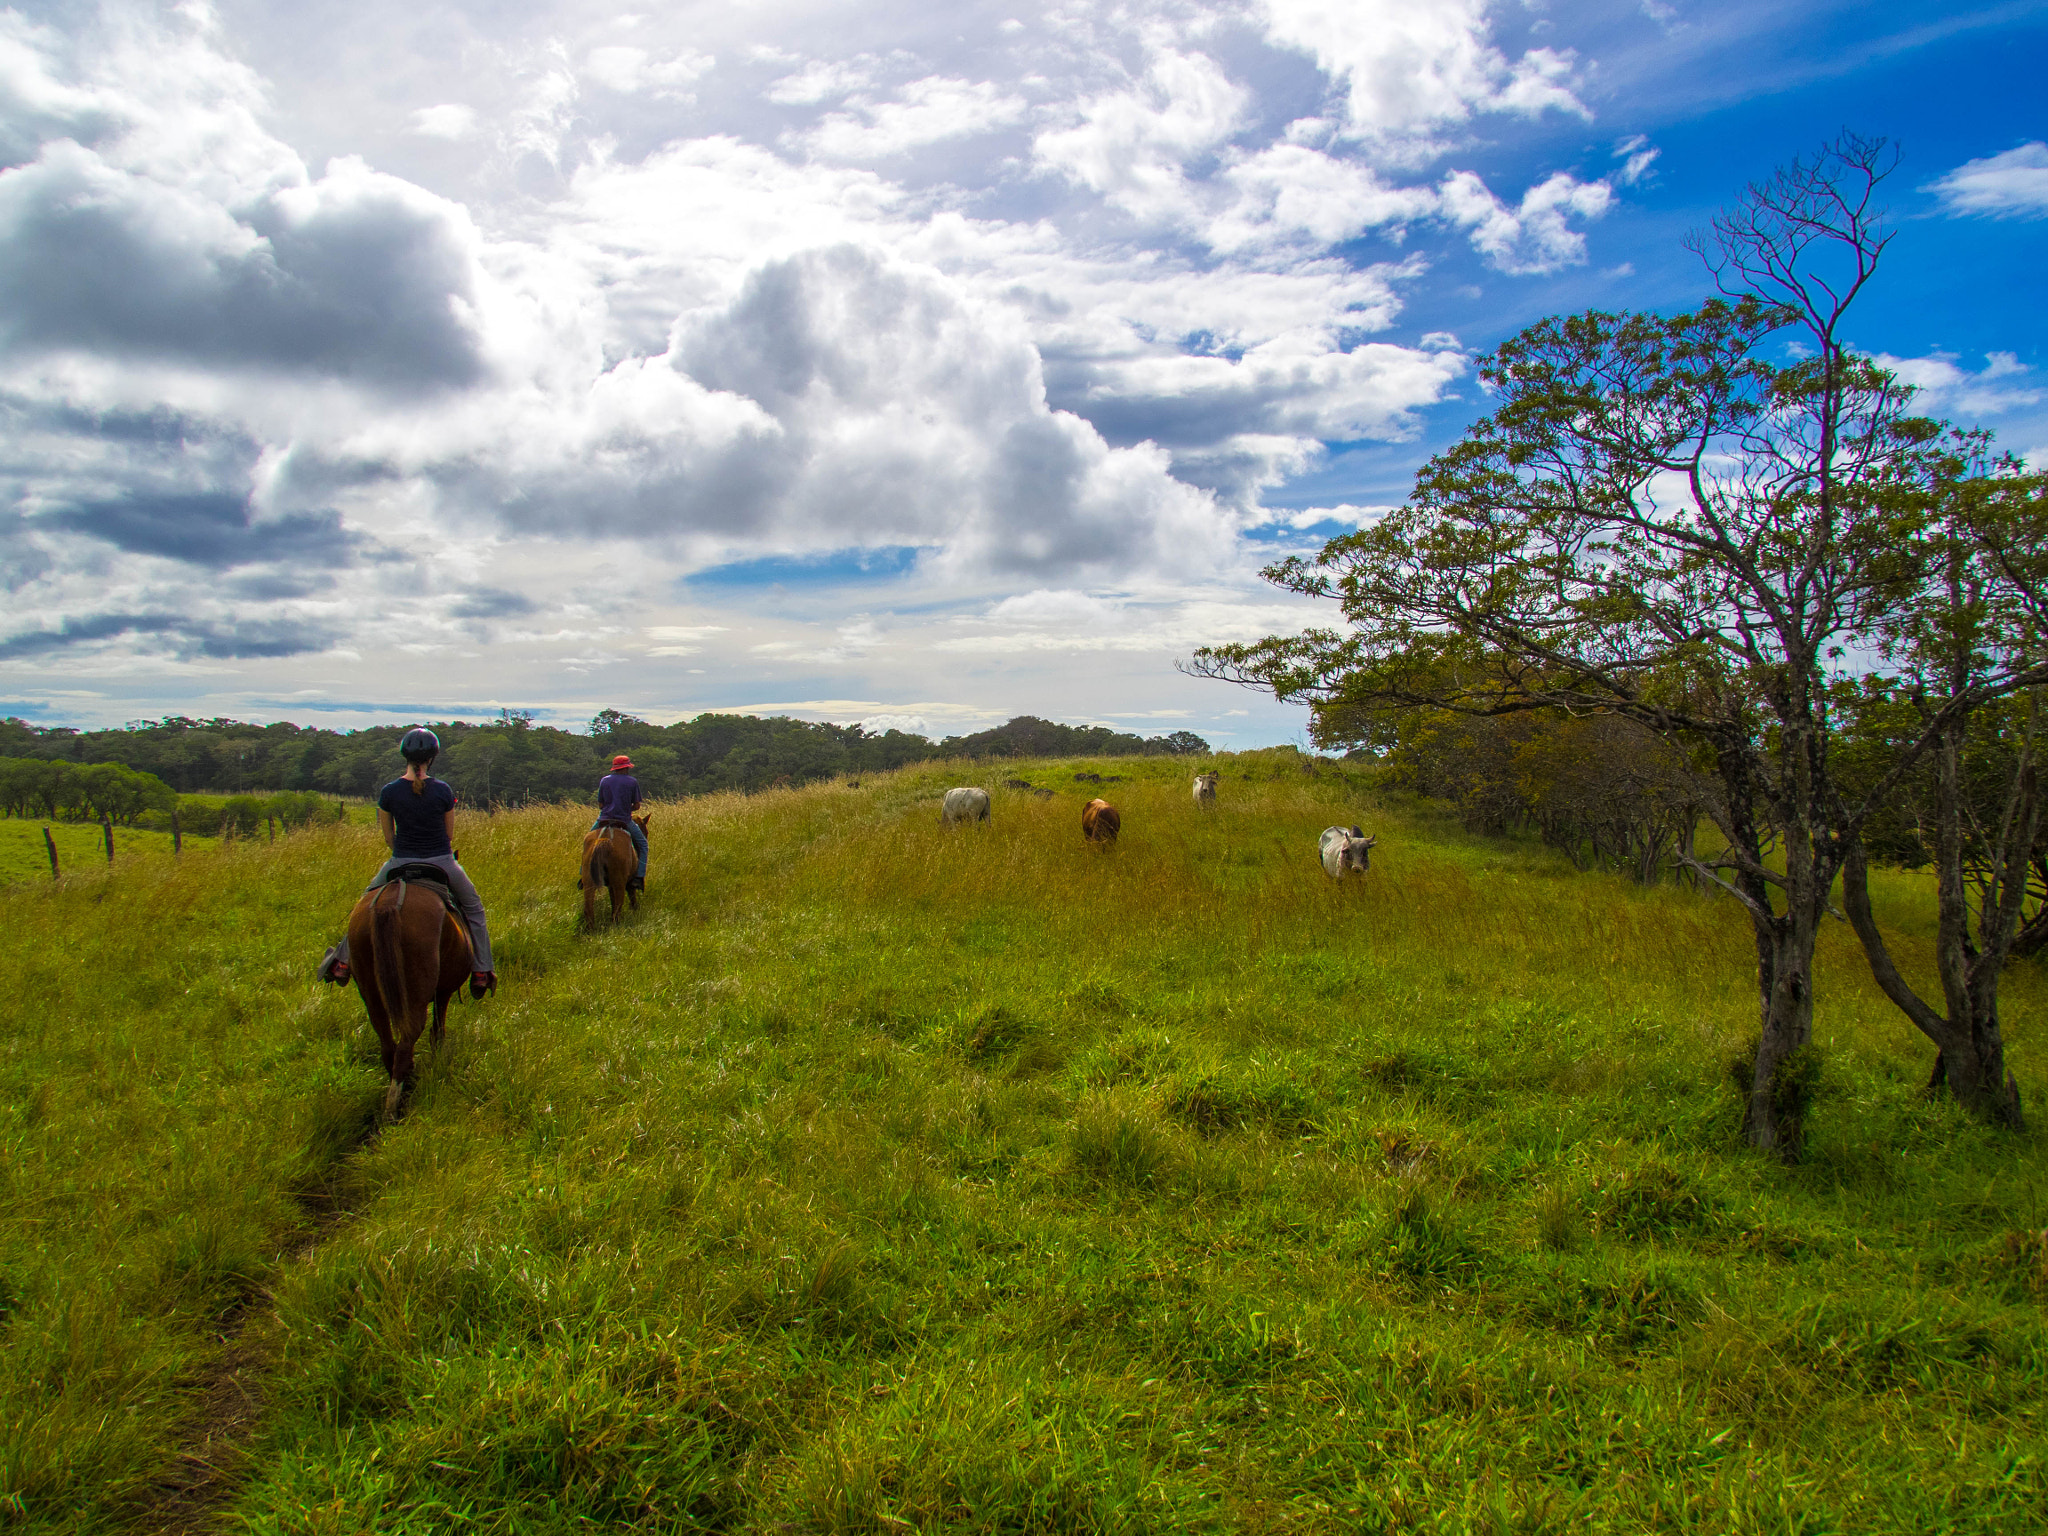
(880, 1178)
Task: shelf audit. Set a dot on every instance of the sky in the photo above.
(915, 365)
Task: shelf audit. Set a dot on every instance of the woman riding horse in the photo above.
(416, 814)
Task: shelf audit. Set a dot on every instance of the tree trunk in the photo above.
(1970, 1059)
(1775, 1118)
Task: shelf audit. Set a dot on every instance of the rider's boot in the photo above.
(333, 968)
(482, 982)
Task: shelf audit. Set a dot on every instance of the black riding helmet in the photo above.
(420, 745)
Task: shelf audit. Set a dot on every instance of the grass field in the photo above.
(81, 848)
(879, 1178)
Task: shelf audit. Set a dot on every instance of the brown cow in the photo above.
(1100, 822)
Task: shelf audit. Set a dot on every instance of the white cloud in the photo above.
(819, 310)
(1941, 384)
(1535, 236)
(1638, 155)
(1410, 70)
(1287, 192)
(881, 724)
(1065, 619)
(449, 120)
(2009, 185)
(628, 69)
(1132, 144)
(822, 80)
(927, 111)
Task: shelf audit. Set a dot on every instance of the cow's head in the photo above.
(1358, 850)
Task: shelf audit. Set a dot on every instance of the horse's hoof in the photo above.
(391, 1098)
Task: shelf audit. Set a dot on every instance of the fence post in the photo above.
(271, 822)
(107, 827)
(50, 843)
(177, 840)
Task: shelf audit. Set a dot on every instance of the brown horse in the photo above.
(409, 951)
(609, 861)
(1100, 822)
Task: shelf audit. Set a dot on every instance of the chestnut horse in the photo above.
(609, 861)
(409, 951)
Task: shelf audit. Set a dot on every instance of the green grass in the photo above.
(81, 848)
(880, 1178)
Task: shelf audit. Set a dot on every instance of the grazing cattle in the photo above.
(1100, 822)
(1205, 790)
(1346, 848)
(963, 805)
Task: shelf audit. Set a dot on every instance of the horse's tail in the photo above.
(593, 880)
(387, 941)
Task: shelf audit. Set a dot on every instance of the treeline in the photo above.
(56, 790)
(1599, 788)
(513, 761)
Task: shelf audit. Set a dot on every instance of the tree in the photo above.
(1976, 802)
(1660, 522)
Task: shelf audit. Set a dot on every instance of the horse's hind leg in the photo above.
(401, 1074)
(440, 1026)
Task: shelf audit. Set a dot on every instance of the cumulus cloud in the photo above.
(1535, 236)
(1291, 193)
(881, 724)
(1940, 383)
(355, 274)
(1409, 70)
(446, 120)
(927, 111)
(1131, 144)
(627, 69)
(2009, 185)
(257, 407)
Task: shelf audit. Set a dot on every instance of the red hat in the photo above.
(621, 761)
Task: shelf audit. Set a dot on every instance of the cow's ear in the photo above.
(1358, 831)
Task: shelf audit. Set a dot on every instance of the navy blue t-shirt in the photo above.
(422, 832)
(618, 794)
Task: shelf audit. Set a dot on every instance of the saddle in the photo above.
(609, 823)
(430, 875)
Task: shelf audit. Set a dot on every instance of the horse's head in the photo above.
(641, 822)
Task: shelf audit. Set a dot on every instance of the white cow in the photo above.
(1346, 848)
(1205, 790)
(963, 805)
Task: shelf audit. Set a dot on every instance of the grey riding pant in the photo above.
(466, 898)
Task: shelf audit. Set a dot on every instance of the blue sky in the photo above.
(916, 365)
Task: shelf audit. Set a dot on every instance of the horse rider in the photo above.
(416, 814)
(618, 797)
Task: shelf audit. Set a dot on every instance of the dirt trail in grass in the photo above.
(212, 1457)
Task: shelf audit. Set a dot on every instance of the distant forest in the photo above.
(511, 760)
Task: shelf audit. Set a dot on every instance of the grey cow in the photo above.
(963, 805)
(1344, 849)
(1205, 790)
